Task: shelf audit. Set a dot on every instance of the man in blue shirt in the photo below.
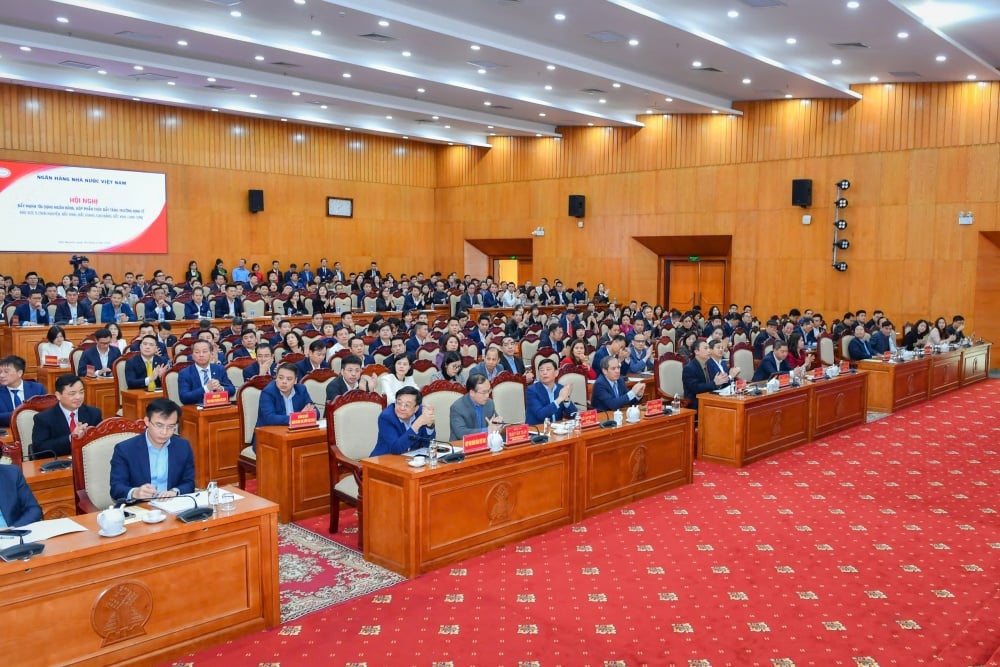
(547, 399)
(157, 463)
(32, 313)
(282, 397)
(404, 425)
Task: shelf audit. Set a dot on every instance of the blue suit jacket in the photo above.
(603, 397)
(190, 387)
(271, 410)
(28, 389)
(538, 406)
(222, 306)
(880, 343)
(693, 378)
(253, 370)
(130, 466)
(108, 312)
(135, 371)
(23, 314)
(304, 366)
(859, 349)
(193, 312)
(168, 312)
(63, 313)
(768, 367)
(394, 438)
(91, 357)
(17, 503)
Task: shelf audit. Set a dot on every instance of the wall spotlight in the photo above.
(840, 266)
(841, 203)
(840, 224)
(843, 244)
(844, 185)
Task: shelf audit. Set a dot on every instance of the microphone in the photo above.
(450, 456)
(196, 513)
(49, 466)
(20, 551)
(607, 423)
(538, 438)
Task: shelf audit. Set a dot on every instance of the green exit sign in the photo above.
(694, 258)
(513, 256)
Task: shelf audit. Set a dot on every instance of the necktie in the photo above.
(204, 377)
(479, 415)
(867, 350)
(72, 422)
(151, 385)
(16, 395)
(707, 378)
(614, 388)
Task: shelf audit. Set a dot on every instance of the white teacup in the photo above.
(419, 460)
(153, 516)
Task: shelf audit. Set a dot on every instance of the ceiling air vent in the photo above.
(219, 86)
(606, 36)
(75, 64)
(849, 45)
(592, 91)
(906, 75)
(706, 69)
(281, 63)
(499, 107)
(152, 76)
(138, 36)
(225, 3)
(376, 37)
(483, 64)
(757, 4)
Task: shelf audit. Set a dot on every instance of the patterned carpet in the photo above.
(876, 546)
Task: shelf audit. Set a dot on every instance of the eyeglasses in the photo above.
(406, 405)
(163, 428)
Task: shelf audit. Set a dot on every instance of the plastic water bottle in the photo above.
(675, 405)
(212, 493)
(432, 454)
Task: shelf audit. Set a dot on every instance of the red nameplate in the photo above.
(741, 384)
(588, 418)
(784, 380)
(927, 349)
(91, 371)
(886, 355)
(654, 407)
(817, 373)
(303, 419)
(845, 366)
(518, 433)
(50, 360)
(475, 442)
(214, 399)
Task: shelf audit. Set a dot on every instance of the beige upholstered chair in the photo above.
(316, 382)
(575, 378)
(171, 385)
(252, 309)
(178, 307)
(845, 343)
(441, 394)
(234, 371)
(22, 420)
(508, 397)
(529, 347)
(247, 403)
(351, 433)
(669, 370)
(664, 345)
(741, 357)
(546, 352)
(92, 453)
(827, 350)
(423, 371)
(428, 351)
(118, 372)
(343, 303)
(369, 304)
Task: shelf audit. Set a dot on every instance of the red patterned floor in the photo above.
(877, 546)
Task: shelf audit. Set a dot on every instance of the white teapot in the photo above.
(495, 441)
(112, 521)
(632, 414)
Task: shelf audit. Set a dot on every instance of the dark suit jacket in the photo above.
(336, 388)
(768, 367)
(253, 370)
(135, 371)
(193, 312)
(859, 349)
(91, 357)
(190, 387)
(63, 314)
(603, 397)
(394, 438)
(52, 430)
(17, 503)
(108, 312)
(222, 307)
(130, 466)
(693, 378)
(714, 368)
(879, 343)
(23, 314)
(463, 417)
(168, 312)
(465, 302)
(304, 367)
(538, 406)
(28, 389)
(517, 367)
(271, 410)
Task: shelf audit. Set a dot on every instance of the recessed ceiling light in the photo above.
(493, 134)
(253, 95)
(138, 68)
(284, 120)
(316, 33)
(215, 110)
(836, 61)
(210, 79)
(715, 111)
(873, 79)
(135, 99)
(435, 117)
(853, 4)
(407, 54)
(696, 63)
(941, 59)
(538, 135)
(559, 17)
(182, 42)
(69, 90)
(26, 48)
(388, 117)
(788, 96)
(447, 127)
(258, 58)
(548, 87)
(550, 67)
(602, 101)
(616, 85)
(489, 127)
(732, 13)
(791, 40)
(323, 106)
(300, 2)
(62, 19)
(296, 93)
(236, 14)
(746, 82)
(171, 83)
(347, 129)
(542, 114)
(421, 90)
(405, 137)
(488, 103)
(384, 23)
(668, 99)
(902, 34)
(649, 111)
(970, 77)
(481, 71)
(474, 47)
(346, 75)
(633, 42)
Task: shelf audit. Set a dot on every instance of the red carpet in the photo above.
(877, 546)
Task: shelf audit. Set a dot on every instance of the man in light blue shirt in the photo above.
(154, 464)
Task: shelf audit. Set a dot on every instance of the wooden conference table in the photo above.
(154, 593)
(416, 520)
(53, 490)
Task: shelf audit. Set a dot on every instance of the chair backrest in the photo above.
(118, 371)
(234, 371)
(543, 353)
(741, 357)
(140, 310)
(664, 345)
(508, 397)
(440, 394)
(369, 304)
(468, 348)
(77, 353)
(670, 333)
(342, 304)
(336, 360)
(423, 371)
(826, 350)
(171, 385)
(428, 351)
(254, 308)
(529, 347)
(92, 460)
(845, 343)
(278, 306)
(669, 371)
(22, 420)
(315, 383)
(740, 337)
(247, 403)
(574, 377)
(381, 353)
(352, 423)
(178, 307)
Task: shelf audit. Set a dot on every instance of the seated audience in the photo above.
(400, 375)
(404, 424)
(32, 313)
(546, 398)
(576, 355)
(474, 412)
(918, 336)
(350, 379)
(99, 356)
(859, 348)
(264, 364)
(451, 369)
(883, 340)
(18, 506)
(154, 464)
(145, 371)
(56, 346)
(69, 416)
(697, 376)
(202, 376)
(14, 389)
(610, 391)
(282, 397)
(773, 363)
(116, 310)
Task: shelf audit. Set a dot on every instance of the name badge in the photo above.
(475, 442)
(214, 399)
(784, 380)
(518, 433)
(300, 420)
(845, 366)
(50, 360)
(654, 407)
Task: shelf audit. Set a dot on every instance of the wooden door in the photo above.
(692, 284)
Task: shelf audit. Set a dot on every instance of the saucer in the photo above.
(633, 421)
(416, 464)
(146, 518)
(103, 534)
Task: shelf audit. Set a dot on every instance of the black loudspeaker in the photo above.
(802, 192)
(577, 206)
(256, 200)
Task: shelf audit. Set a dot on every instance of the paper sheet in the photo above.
(43, 530)
(180, 503)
